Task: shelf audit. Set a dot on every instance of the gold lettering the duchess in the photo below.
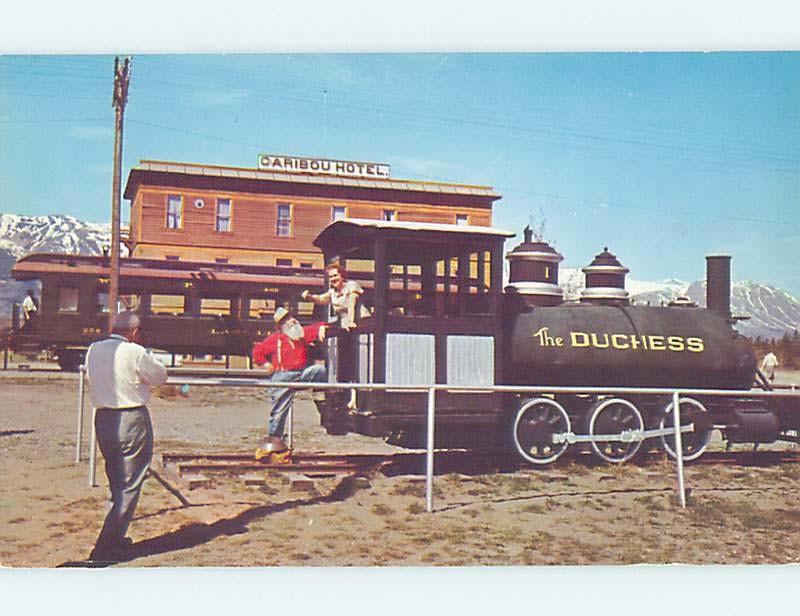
(626, 342)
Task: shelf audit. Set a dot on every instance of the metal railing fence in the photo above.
(202, 378)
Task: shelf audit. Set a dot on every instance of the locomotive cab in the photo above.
(436, 318)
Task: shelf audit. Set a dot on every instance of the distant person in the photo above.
(768, 365)
(121, 374)
(342, 296)
(285, 355)
(30, 309)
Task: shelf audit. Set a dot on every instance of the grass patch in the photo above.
(408, 488)
(536, 508)
(415, 508)
(382, 510)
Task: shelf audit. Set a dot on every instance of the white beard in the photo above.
(294, 331)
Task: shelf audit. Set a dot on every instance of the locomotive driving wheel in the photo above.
(620, 418)
(694, 443)
(537, 421)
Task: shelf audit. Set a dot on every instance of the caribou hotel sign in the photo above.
(322, 166)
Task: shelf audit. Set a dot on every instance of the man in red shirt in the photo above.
(286, 352)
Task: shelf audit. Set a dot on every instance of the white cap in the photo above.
(280, 314)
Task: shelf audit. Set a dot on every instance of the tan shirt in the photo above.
(121, 373)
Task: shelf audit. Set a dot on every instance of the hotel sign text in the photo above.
(322, 166)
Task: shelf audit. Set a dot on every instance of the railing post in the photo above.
(429, 460)
(290, 438)
(676, 416)
(81, 393)
(93, 453)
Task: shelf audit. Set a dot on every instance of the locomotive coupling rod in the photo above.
(627, 436)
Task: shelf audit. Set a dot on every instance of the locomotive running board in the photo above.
(628, 436)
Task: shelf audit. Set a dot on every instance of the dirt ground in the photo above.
(575, 513)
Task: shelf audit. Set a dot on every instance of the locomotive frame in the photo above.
(460, 328)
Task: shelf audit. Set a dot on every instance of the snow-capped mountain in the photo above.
(20, 235)
(772, 311)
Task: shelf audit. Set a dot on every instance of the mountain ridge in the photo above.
(773, 311)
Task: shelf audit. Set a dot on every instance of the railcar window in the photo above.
(102, 301)
(130, 301)
(213, 307)
(223, 223)
(167, 304)
(261, 308)
(305, 309)
(389, 215)
(283, 262)
(462, 219)
(338, 212)
(67, 299)
(174, 212)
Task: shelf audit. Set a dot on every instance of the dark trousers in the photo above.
(126, 440)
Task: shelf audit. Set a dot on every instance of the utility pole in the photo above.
(122, 77)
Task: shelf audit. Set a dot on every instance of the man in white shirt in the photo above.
(768, 365)
(121, 373)
(29, 308)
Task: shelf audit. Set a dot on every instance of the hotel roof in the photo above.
(242, 173)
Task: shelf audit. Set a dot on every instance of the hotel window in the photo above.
(174, 211)
(462, 219)
(223, 215)
(284, 224)
(338, 212)
(389, 215)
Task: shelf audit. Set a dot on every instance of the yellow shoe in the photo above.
(274, 449)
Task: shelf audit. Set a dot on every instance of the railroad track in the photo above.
(317, 464)
(300, 462)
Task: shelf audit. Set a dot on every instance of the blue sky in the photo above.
(663, 157)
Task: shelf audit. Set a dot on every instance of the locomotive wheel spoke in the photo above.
(613, 416)
(694, 443)
(537, 421)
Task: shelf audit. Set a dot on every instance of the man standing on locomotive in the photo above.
(285, 355)
(343, 298)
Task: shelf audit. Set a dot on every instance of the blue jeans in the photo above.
(282, 398)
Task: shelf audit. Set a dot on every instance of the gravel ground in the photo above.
(571, 514)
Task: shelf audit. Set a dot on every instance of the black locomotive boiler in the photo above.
(452, 322)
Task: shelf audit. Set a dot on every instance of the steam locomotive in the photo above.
(438, 312)
(526, 334)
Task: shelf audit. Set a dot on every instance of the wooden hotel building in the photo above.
(271, 214)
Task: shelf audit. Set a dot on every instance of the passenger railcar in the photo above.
(186, 307)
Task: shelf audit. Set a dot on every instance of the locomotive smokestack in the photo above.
(718, 284)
